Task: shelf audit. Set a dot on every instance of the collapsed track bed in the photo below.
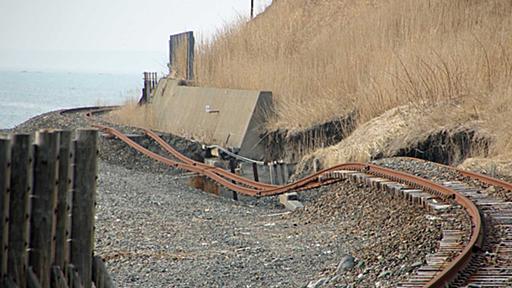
(451, 189)
(171, 235)
(444, 267)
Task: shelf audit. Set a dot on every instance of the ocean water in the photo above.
(27, 94)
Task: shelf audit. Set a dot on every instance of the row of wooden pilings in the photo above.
(47, 210)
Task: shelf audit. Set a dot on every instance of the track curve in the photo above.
(256, 189)
(450, 273)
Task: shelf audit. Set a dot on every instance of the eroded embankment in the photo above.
(405, 131)
(292, 145)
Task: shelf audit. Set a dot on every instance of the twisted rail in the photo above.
(256, 189)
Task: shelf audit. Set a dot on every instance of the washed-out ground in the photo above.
(153, 230)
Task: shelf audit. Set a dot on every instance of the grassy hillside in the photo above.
(450, 62)
(324, 58)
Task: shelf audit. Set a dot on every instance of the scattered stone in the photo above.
(151, 225)
(318, 283)
(417, 264)
(347, 262)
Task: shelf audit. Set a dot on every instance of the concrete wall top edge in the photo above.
(211, 115)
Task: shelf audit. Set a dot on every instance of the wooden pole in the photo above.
(44, 204)
(252, 9)
(255, 172)
(190, 55)
(285, 173)
(5, 179)
(32, 280)
(100, 274)
(232, 168)
(73, 277)
(58, 279)
(63, 231)
(19, 204)
(84, 201)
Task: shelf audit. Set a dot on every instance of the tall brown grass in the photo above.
(325, 58)
(133, 114)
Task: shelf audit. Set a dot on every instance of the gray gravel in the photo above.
(155, 231)
(169, 235)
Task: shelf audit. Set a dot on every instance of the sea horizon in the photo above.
(25, 93)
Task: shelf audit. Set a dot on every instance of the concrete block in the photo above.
(290, 201)
(215, 162)
(293, 205)
(226, 117)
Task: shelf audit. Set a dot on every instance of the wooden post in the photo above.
(84, 200)
(271, 173)
(8, 283)
(19, 207)
(73, 277)
(44, 204)
(175, 47)
(252, 9)
(58, 279)
(5, 179)
(63, 231)
(32, 280)
(232, 169)
(190, 55)
(100, 274)
(255, 172)
(284, 172)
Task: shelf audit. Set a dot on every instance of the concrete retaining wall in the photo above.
(226, 117)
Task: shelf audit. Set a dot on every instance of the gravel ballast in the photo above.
(153, 230)
(440, 173)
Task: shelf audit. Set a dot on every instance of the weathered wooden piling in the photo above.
(46, 228)
(5, 186)
(44, 204)
(83, 209)
(63, 223)
(182, 45)
(19, 208)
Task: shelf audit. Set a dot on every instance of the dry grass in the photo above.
(134, 115)
(325, 58)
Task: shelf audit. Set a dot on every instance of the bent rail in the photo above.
(222, 177)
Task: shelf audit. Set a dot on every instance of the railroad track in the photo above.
(481, 259)
(494, 265)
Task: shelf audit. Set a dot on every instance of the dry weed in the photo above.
(132, 114)
(326, 58)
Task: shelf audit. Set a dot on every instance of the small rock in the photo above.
(334, 279)
(347, 263)
(490, 190)
(416, 264)
(318, 283)
(384, 274)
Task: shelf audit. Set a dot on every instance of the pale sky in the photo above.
(53, 34)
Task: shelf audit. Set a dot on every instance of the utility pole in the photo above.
(252, 9)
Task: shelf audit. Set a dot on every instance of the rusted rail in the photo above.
(495, 266)
(251, 188)
(187, 160)
(473, 175)
(248, 187)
